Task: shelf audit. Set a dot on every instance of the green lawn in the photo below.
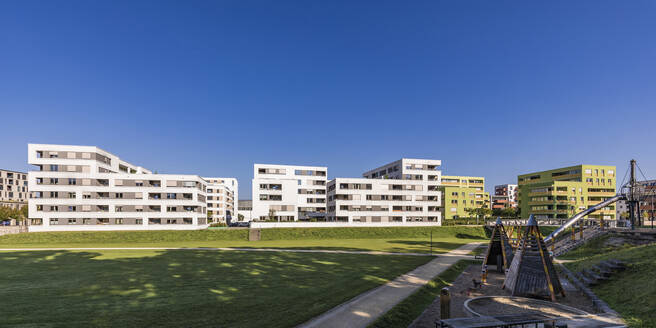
(356, 239)
(183, 288)
(631, 292)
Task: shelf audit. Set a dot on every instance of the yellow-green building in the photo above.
(460, 193)
(563, 192)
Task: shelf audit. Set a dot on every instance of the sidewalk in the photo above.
(367, 307)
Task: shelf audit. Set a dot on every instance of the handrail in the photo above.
(581, 214)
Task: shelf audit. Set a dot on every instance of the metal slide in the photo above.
(581, 214)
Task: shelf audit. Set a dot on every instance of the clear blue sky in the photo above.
(492, 88)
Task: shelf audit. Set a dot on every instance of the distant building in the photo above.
(13, 189)
(245, 209)
(563, 192)
(406, 190)
(222, 194)
(647, 192)
(460, 193)
(505, 196)
(289, 192)
(87, 188)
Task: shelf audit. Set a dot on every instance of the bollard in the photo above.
(484, 274)
(445, 303)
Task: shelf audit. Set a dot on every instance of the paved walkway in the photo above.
(367, 307)
(222, 249)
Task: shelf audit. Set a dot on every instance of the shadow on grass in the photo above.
(184, 288)
(411, 246)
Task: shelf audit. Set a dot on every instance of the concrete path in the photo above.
(367, 307)
(220, 249)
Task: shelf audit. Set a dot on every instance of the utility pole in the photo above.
(633, 195)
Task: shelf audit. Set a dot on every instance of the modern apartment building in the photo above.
(222, 195)
(646, 190)
(406, 190)
(461, 193)
(561, 193)
(87, 188)
(289, 192)
(13, 189)
(505, 196)
(245, 209)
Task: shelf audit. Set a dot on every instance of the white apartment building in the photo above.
(13, 189)
(222, 195)
(403, 191)
(87, 188)
(289, 192)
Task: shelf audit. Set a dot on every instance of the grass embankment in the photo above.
(630, 292)
(397, 239)
(412, 307)
(192, 288)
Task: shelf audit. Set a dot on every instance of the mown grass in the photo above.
(415, 240)
(412, 307)
(183, 288)
(630, 292)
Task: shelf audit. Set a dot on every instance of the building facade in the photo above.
(13, 189)
(245, 210)
(646, 190)
(563, 192)
(87, 188)
(505, 196)
(289, 192)
(461, 193)
(403, 191)
(222, 195)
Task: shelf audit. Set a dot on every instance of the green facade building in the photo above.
(460, 193)
(563, 192)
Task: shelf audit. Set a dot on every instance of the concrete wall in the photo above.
(263, 225)
(8, 230)
(115, 227)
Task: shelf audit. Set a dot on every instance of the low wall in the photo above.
(115, 227)
(8, 230)
(264, 225)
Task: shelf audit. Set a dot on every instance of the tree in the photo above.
(209, 216)
(240, 217)
(6, 213)
(24, 212)
(272, 215)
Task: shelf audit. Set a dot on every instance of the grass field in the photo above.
(184, 288)
(631, 292)
(357, 239)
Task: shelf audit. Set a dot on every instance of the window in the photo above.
(118, 209)
(72, 221)
(54, 194)
(170, 196)
(71, 208)
(54, 181)
(138, 221)
(54, 167)
(72, 181)
(118, 221)
(299, 182)
(119, 195)
(86, 221)
(54, 221)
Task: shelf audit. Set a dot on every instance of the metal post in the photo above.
(445, 303)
